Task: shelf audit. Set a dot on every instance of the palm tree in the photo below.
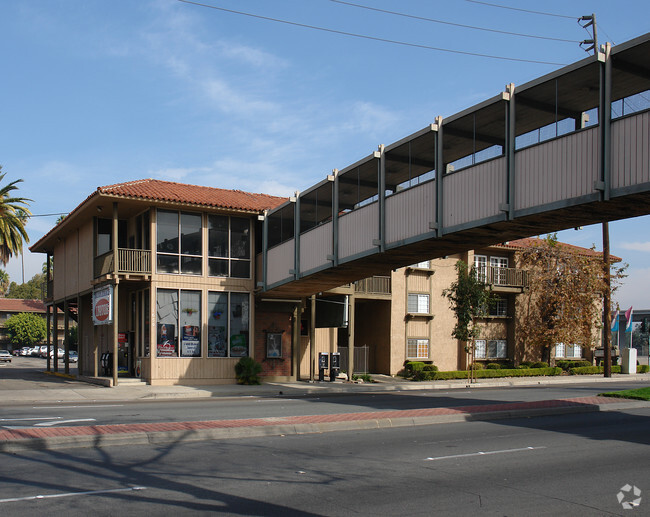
(4, 282)
(13, 216)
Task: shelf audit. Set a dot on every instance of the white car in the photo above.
(5, 356)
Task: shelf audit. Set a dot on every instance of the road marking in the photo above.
(29, 418)
(72, 494)
(49, 424)
(77, 407)
(482, 453)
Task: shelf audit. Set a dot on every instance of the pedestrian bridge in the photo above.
(567, 149)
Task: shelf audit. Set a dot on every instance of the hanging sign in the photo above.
(103, 305)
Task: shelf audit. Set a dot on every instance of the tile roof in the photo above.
(20, 305)
(169, 191)
(531, 242)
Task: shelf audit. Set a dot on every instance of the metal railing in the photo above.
(373, 285)
(128, 261)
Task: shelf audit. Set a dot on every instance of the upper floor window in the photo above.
(178, 242)
(499, 307)
(418, 304)
(229, 246)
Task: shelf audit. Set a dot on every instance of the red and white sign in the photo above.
(103, 305)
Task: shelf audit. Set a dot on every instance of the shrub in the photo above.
(493, 374)
(526, 364)
(247, 371)
(413, 366)
(493, 366)
(476, 366)
(539, 364)
(566, 364)
(425, 375)
(642, 368)
(430, 368)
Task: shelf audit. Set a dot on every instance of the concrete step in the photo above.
(130, 381)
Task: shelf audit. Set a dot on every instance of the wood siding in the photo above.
(357, 230)
(280, 261)
(631, 150)
(557, 170)
(474, 193)
(315, 246)
(408, 213)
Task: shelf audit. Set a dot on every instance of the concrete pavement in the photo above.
(13, 440)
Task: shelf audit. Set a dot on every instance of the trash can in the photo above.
(323, 359)
(335, 367)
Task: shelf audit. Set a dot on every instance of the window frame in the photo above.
(418, 342)
(229, 257)
(417, 303)
(183, 338)
(224, 349)
(178, 254)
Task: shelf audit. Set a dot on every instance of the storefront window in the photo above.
(167, 322)
(176, 326)
(239, 310)
(218, 325)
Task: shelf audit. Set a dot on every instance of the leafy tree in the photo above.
(469, 298)
(13, 216)
(4, 282)
(26, 329)
(30, 290)
(564, 302)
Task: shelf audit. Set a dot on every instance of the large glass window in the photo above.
(228, 324)
(229, 248)
(492, 349)
(178, 318)
(178, 243)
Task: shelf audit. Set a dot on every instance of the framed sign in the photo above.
(103, 305)
(274, 345)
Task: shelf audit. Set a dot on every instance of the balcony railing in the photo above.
(503, 276)
(373, 285)
(129, 261)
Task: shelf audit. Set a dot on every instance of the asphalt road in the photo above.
(569, 465)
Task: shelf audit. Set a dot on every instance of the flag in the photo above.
(628, 319)
(614, 324)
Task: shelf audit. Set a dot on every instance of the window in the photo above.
(228, 324)
(560, 350)
(178, 323)
(417, 348)
(499, 308)
(498, 267)
(480, 265)
(418, 304)
(229, 250)
(492, 349)
(568, 351)
(421, 265)
(178, 243)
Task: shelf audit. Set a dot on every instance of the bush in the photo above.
(247, 371)
(526, 364)
(430, 368)
(566, 364)
(493, 374)
(476, 366)
(493, 366)
(412, 367)
(539, 364)
(643, 368)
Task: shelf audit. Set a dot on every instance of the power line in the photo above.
(372, 38)
(422, 18)
(523, 10)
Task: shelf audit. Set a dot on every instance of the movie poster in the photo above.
(191, 341)
(166, 340)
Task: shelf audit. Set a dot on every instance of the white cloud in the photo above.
(636, 246)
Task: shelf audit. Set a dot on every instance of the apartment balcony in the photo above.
(504, 279)
(373, 287)
(130, 262)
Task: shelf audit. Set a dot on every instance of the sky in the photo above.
(97, 92)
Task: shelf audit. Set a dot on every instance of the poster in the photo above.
(166, 340)
(190, 342)
(217, 343)
(238, 345)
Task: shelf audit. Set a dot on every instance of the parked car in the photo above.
(72, 356)
(25, 351)
(5, 356)
(34, 351)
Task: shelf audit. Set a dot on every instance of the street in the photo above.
(563, 465)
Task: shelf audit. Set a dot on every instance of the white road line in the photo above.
(482, 453)
(72, 494)
(30, 418)
(49, 424)
(77, 407)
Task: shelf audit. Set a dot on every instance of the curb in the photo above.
(181, 432)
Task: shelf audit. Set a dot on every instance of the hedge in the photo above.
(591, 370)
(494, 374)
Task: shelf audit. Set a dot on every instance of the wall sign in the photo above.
(103, 305)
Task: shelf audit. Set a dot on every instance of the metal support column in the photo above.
(335, 219)
(350, 337)
(440, 172)
(510, 150)
(312, 340)
(115, 293)
(296, 237)
(66, 337)
(605, 119)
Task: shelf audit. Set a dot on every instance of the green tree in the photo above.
(13, 216)
(4, 282)
(30, 290)
(26, 329)
(469, 298)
